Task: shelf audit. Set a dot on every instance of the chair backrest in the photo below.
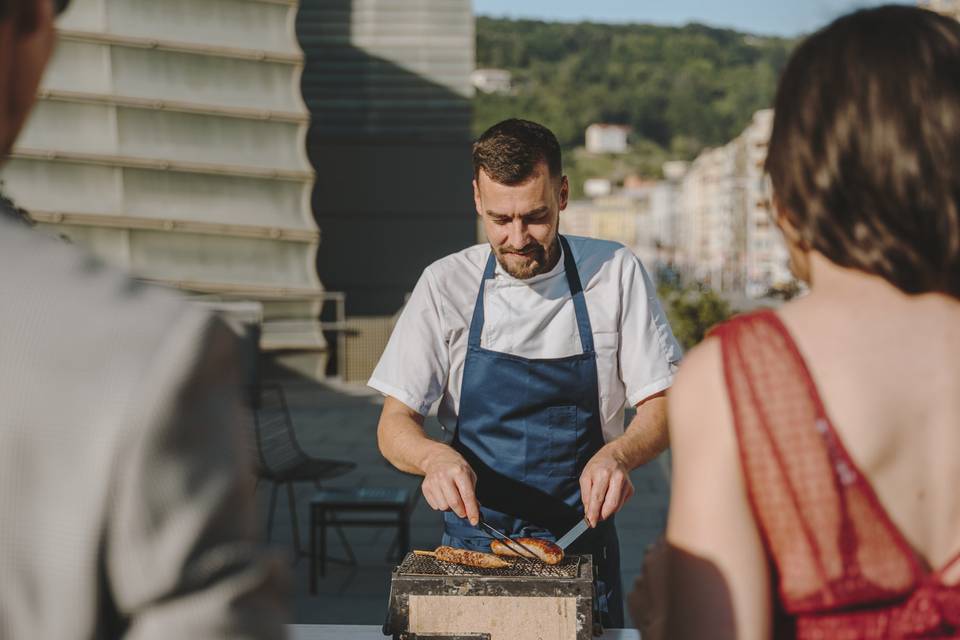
(277, 446)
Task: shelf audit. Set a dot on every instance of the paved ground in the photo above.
(339, 421)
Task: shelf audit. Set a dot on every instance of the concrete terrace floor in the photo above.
(339, 421)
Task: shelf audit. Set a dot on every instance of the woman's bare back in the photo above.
(887, 367)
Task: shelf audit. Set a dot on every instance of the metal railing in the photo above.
(269, 293)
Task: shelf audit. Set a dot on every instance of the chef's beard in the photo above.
(538, 259)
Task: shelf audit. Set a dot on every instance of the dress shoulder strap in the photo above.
(809, 501)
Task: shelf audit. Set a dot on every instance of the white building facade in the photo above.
(767, 260)
(492, 81)
(660, 235)
(169, 138)
(614, 218)
(706, 247)
(726, 235)
(641, 218)
(607, 138)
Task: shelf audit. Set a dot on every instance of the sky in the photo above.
(762, 17)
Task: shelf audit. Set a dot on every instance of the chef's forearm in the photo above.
(646, 436)
(402, 440)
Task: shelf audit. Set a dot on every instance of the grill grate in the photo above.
(414, 565)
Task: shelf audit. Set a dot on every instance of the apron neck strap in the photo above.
(579, 301)
(576, 292)
(476, 325)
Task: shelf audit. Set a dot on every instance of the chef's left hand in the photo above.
(605, 486)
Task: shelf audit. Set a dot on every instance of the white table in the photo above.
(362, 632)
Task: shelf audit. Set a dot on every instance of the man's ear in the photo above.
(564, 192)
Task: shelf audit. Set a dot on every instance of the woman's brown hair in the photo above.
(25, 11)
(865, 152)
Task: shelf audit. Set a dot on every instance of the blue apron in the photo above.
(528, 427)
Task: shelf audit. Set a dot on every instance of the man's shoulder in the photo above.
(595, 256)
(73, 301)
(586, 246)
(456, 266)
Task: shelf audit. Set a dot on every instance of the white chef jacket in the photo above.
(637, 354)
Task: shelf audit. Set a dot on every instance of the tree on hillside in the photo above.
(693, 310)
(680, 88)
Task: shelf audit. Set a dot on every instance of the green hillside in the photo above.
(680, 88)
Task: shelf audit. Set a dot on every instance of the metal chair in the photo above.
(282, 461)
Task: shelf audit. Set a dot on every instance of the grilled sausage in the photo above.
(470, 558)
(546, 551)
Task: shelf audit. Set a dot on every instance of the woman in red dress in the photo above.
(816, 449)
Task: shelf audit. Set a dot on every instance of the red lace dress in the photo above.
(842, 569)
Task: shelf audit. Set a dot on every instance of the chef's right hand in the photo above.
(449, 483)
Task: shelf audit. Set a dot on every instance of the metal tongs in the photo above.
(515, 545)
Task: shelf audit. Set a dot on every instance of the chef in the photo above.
(533, 343)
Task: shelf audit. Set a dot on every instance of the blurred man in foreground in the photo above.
(126, 508)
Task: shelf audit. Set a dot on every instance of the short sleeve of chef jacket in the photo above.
(413, 368)
(649, 353)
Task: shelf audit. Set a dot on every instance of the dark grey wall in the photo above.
(387, 85)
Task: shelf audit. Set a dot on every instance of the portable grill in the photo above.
(414, 565)
(436, 600)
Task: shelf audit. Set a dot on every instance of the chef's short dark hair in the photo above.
(865, 152)
(509, 151)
